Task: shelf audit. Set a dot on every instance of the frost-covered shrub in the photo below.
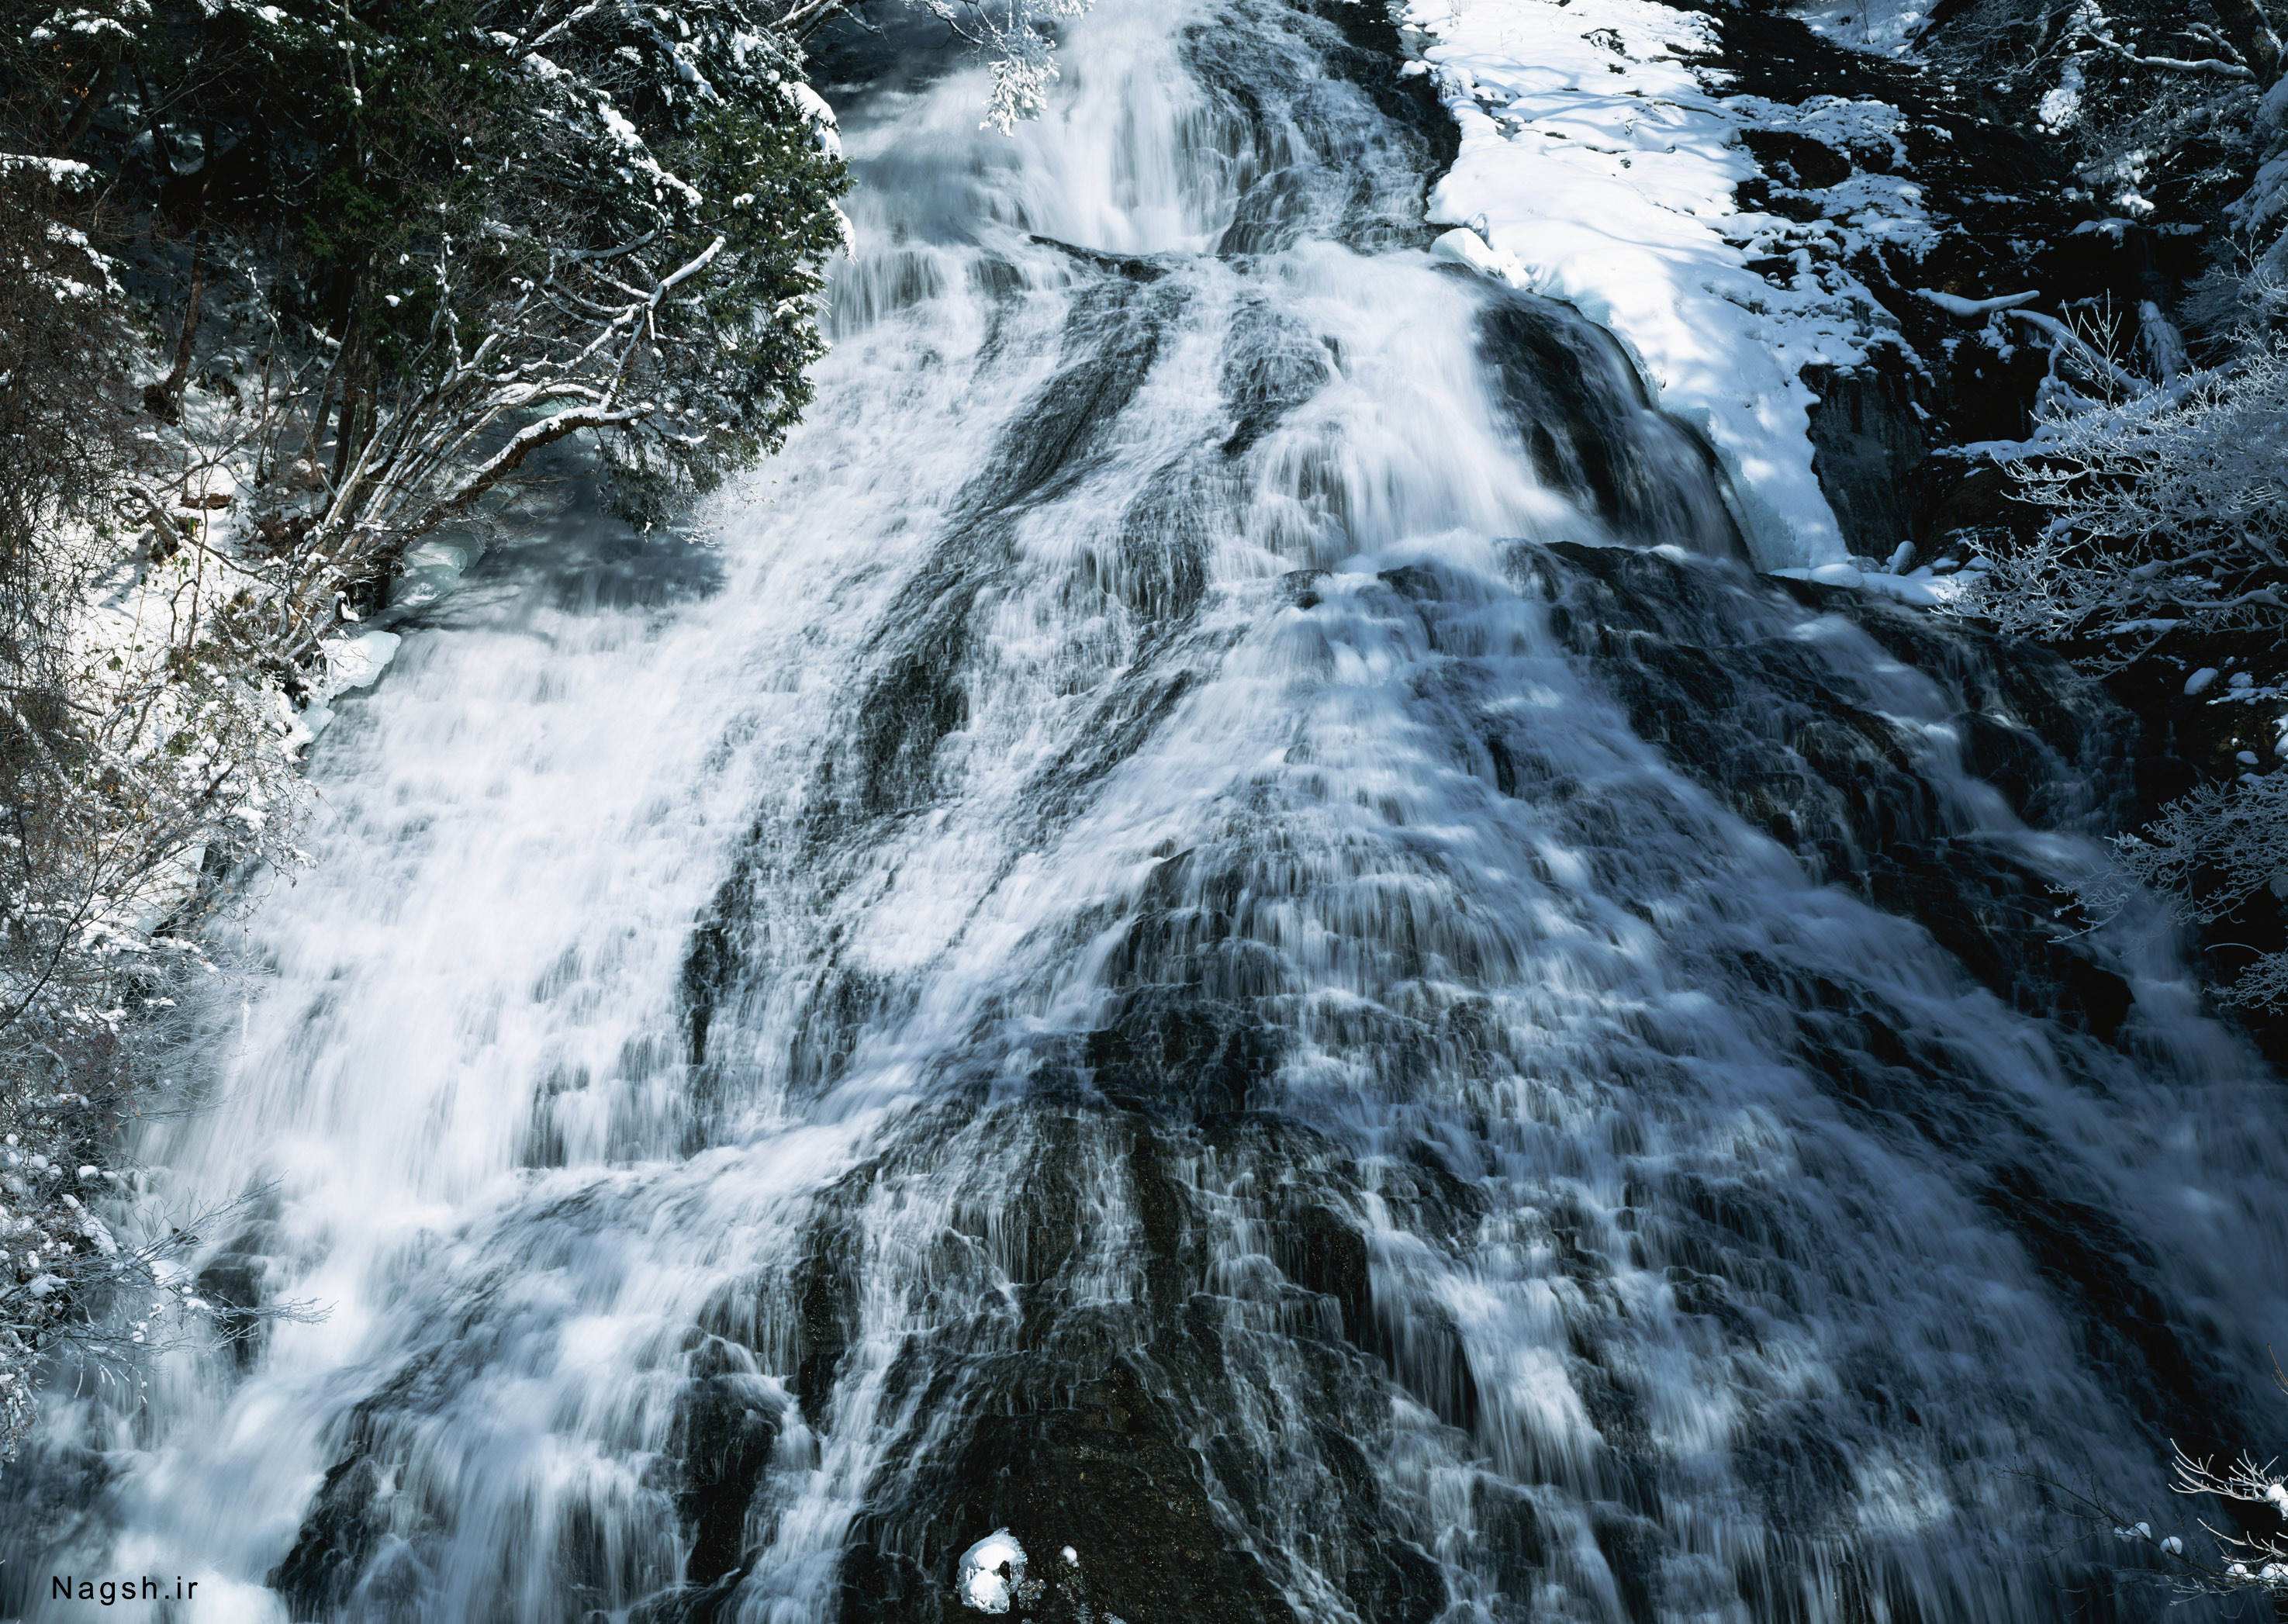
(2167, 533)
(2170, 528)
(2215, 850)
(2242, 1553)
(132, 755)
(2169, 514)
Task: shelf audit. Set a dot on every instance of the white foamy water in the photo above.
(1104, 932)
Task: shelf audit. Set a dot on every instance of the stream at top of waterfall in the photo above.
(1209, 960)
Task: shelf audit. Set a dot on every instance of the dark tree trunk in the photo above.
(2251, 35)
(98, 98)
(165, 399)
(160, 149)
(355, 364)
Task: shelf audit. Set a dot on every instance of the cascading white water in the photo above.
(1127, 964)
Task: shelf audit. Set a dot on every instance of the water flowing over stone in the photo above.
(1215, 934)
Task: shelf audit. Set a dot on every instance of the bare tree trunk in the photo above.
(2251, 35)
(317, 435)
(165, 399)
(166, 153)
(346, 425)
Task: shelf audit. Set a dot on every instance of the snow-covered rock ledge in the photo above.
(1597, 167)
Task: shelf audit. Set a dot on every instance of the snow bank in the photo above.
(1921, 586)
(1596, 168)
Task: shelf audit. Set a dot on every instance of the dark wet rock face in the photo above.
(1585, 420)
(1763, 726)
(1797, 161)
(1170, 1332)
(1123, 1432)
(2013, 213)
(725, 1425)
(1057, 1477)
(333, 1562)
(1871, 441)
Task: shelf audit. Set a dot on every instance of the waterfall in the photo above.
(1214, 928)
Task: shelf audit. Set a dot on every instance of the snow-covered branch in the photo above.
(2216, 65)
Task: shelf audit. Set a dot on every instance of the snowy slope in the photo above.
(1598, 168)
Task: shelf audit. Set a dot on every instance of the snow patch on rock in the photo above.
(356, 661)
(989, 1571)
(1885, 27)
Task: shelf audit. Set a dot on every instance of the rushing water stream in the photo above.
(1213, 929)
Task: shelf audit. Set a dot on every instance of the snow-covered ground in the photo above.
(1888, 27)
(1597, 167)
